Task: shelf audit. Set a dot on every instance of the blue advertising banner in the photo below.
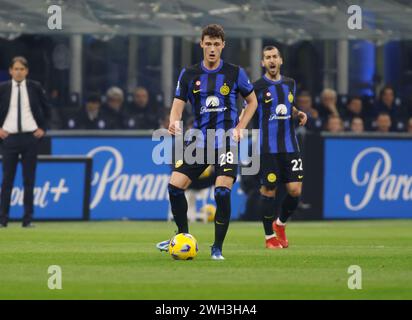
(126, 182)
(60, 191)
(368, 178)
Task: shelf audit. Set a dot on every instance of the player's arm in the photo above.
(247, 91)
(246, 115)
(175, 116)
(300, 115)
(179, 102)
(248, 111)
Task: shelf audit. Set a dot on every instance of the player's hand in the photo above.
(237, 134)
(3, 134)
(174, 128)
(303, 118)
(39, 133)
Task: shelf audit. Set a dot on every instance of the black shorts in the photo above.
(280, 168)
(225, 162)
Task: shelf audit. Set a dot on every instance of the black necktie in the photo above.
(18, 108)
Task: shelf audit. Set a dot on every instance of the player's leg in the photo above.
(182, 176)
(178, 203)
(267, 209)
(177, 186)
(268, 180)
(294, 174)
(223, 188)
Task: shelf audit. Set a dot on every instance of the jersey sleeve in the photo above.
(182, 87)
(245, 87)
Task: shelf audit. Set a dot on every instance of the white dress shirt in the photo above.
(28, 124)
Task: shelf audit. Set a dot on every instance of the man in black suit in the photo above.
(24, 113)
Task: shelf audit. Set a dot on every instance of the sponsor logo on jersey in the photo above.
(212, 105)
(280, 113)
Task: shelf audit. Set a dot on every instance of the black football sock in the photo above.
(179, 208)
(267, 207)
(289, 205)
(222, 217)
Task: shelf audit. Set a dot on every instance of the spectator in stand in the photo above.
(409, 128)
(304, 103)
(92, 117)
(141, 113)
(386, 104)
(356, 125)
(354, 108)
(334, 124)
(113, 108)
(383, 122)
(328, 106)
(164, 122)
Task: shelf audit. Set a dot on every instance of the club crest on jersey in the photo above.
(290, 97)
(271, 177)
(224, 90)
(198, 82)
(268, 94)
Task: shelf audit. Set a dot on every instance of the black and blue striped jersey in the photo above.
(213, 95)
(275, 121)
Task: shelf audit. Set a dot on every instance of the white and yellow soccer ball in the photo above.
(183, 246)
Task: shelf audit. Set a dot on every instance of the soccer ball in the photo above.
(183, 246)
(209, 210)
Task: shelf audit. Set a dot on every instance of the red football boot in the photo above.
(273, 243)
(280, 234)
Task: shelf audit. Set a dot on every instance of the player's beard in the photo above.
(273, 72)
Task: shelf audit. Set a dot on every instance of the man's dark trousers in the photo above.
(24, 144)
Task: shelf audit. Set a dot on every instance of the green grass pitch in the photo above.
(118, 260)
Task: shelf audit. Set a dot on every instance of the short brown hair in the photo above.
(20, 59)
(268, 48)
(213, 31)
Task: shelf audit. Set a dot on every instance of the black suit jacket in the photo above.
(38, 102)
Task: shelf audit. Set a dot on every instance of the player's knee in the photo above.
(268, 191)
(295, 191)
(224, 181)
(179, 180)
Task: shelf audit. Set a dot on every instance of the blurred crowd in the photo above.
(112, 111)
(356, 114)
(141, 110)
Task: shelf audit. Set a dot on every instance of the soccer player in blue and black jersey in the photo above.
(212, 87)
(280, 160)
